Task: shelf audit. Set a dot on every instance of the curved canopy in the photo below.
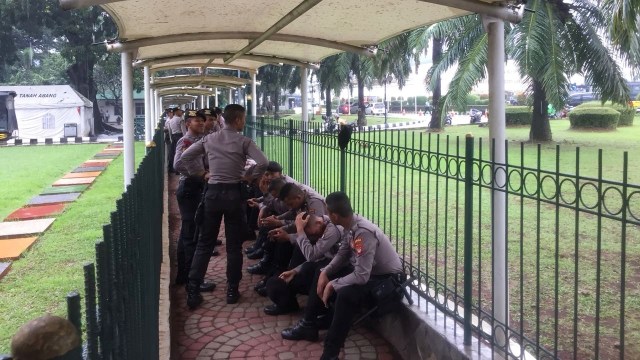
(246, 34)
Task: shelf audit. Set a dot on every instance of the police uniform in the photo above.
(175, 131)
(188, 196)
(226, 152)
(373, 259)
(313, 204)
(317, 255)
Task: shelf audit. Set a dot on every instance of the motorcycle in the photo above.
(330, 125)
(476, 116)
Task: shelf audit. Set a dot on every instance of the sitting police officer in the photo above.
(316, 238)
(227, 151)
(374, 261)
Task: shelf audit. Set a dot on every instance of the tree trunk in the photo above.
(540, 127)
(276, 102)
(81, 78)
(327, 98)
(436, 110)
(362, 119)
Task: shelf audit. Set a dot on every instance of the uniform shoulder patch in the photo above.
(358, 246)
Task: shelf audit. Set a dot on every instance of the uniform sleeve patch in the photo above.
(358, 246)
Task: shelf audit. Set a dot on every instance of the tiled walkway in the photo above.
(20, 230)
(242, 331)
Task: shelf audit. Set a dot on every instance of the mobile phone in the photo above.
(305, 216)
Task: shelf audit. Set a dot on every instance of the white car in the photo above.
(375, 109)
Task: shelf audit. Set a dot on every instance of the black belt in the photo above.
(225, 186)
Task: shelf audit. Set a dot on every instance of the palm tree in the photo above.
(274, 79)
(551, 43)
(332, 75)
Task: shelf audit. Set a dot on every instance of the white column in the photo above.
(206, 101)
(230, 96)
(216, 100)
(254, 106)
(495, 30)
(305, 125)
(157, 109)
(127, 116)
(148, 132)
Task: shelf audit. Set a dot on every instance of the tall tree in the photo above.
(554, 41)
(274, 79)
(332, 76)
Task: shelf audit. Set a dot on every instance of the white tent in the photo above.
(43, 111)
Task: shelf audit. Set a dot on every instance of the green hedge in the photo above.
(594, 118)
(626, 113)
(518, 115)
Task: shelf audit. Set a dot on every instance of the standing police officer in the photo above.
(175, 131)
(227, 151)
(188, 196)
(374, 261)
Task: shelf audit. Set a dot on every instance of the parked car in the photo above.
(344, 108)
(375, 109)
(577, 99)
(354, 107)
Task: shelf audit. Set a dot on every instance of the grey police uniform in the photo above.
(369, 251)
(317, 254)
(188, 195)
(226, 152)
(313, 204)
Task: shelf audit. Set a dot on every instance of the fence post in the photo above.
(291, 147)
(262, 133)
(90, 309)
(468, 236)
(74, 315)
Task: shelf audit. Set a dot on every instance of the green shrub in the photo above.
(594, 118)
(626, 113)
(518, 115)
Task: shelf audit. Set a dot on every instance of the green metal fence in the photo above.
(122, 289)
(572, 235)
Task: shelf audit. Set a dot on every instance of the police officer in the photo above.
(227, 152)
(175, 131)
(167, 138)
(374, 260)
(317, 239)
(211, 123)
(188, 196)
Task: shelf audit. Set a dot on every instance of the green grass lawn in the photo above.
(38, 283)
(422, 212)
(371, 120)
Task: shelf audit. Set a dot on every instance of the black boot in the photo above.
(258, 254)
(194, 299)
(264, 266)
(207, 286)
(232, 294)
(303, 330)
(261, 287)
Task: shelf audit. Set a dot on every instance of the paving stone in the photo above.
(93, 164)
(82, 174)
(36, 212)
(89, 169)
(4, 268)
(98, 161)
(54, 199)
(64, 189)
(11, 249)
(26, 227)
(78, 181)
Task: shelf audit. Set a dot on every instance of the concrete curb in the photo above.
(56, 141)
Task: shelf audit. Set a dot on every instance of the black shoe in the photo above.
(258, 254)
(232, 294)
(218, 242)
(194, 299)
(301, 331)
(207, 287)
(249, 249)
(261, 268)
(274, 309)
(328, 357)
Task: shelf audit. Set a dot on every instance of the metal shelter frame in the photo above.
(293, 33)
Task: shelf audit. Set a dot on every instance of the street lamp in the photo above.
(386, 80)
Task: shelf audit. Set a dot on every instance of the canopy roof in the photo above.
(246, 34)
